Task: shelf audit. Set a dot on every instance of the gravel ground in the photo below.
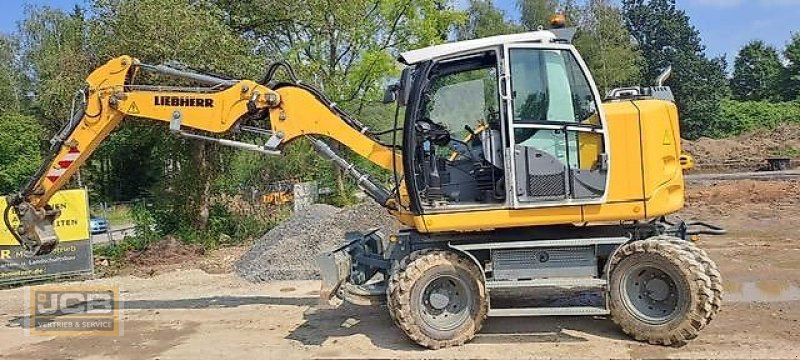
(288, 251)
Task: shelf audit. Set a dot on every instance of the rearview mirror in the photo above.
(405, 86)
(390, 94)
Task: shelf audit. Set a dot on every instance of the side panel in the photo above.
(663, 176)
(625, 167)
(498, 219)
(626, 187)
(627, 210)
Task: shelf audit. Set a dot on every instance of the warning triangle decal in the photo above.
(133, 109)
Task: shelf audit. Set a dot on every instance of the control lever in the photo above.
(470, 131)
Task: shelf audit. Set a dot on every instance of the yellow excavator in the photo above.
(509, 172)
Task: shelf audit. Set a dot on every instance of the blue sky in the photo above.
(725, 25)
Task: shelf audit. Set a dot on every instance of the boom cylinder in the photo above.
(376, 191)
(200, 78)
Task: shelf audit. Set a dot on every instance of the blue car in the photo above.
(97, 225)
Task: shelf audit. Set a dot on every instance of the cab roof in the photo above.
(439, 51)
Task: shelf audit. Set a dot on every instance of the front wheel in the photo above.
(438, 298)
(660, 292)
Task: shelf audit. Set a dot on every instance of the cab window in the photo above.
(549, 86)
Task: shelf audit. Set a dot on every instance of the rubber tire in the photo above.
(711, 270)
(682, 257)
(425, 264)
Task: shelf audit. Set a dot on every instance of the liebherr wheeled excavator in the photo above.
(510, 172)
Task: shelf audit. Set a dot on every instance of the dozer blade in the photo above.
(36, 232)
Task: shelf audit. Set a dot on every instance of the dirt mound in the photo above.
(746, 151)
(288, 251)
(737, 193)
(168, 251)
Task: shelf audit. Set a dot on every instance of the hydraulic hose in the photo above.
(349, 120)
(7, 222)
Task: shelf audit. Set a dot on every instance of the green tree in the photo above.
(191, 33)
(485, 19)
(536, 13)
(666, 38)
(792, 71)
(347, 50)
(54, 50)
(605, 44)
(757, 72)
(11, 92)
(19, 150)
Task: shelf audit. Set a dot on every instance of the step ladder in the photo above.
(548, 310)
(565, 280)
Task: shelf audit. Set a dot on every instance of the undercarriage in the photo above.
(649, 277)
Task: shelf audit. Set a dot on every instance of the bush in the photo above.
(741, 116)
(224, 228)
(19, 150)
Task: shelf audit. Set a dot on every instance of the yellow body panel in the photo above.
(664, 186)
(497, 219)
(590, 145)
(625, 169)
(645, 178)
(632, 210)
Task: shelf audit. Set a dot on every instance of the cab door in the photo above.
(558, 153)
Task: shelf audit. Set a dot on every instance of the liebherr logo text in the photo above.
(183, 101)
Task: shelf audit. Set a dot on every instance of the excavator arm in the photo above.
(283, 113)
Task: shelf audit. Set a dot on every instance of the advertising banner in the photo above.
(73, 255)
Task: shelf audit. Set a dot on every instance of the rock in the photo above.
(288, 251)
(350, 322)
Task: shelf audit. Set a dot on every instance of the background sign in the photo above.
(73, 255)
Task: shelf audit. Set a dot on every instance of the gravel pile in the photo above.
(288, 251)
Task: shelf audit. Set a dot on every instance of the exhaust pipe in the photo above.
(664, 76)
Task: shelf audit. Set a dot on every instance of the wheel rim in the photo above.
(445, 302)
(651, 294)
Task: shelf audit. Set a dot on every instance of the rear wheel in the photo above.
(438, 298)
(711, 270)
(661, 291)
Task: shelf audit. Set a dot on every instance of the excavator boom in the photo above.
(214, 106)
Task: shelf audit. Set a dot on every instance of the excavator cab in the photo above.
(506, 126)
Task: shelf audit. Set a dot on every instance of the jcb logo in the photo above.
(73, 310)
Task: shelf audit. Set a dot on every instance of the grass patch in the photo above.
(789, 152)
